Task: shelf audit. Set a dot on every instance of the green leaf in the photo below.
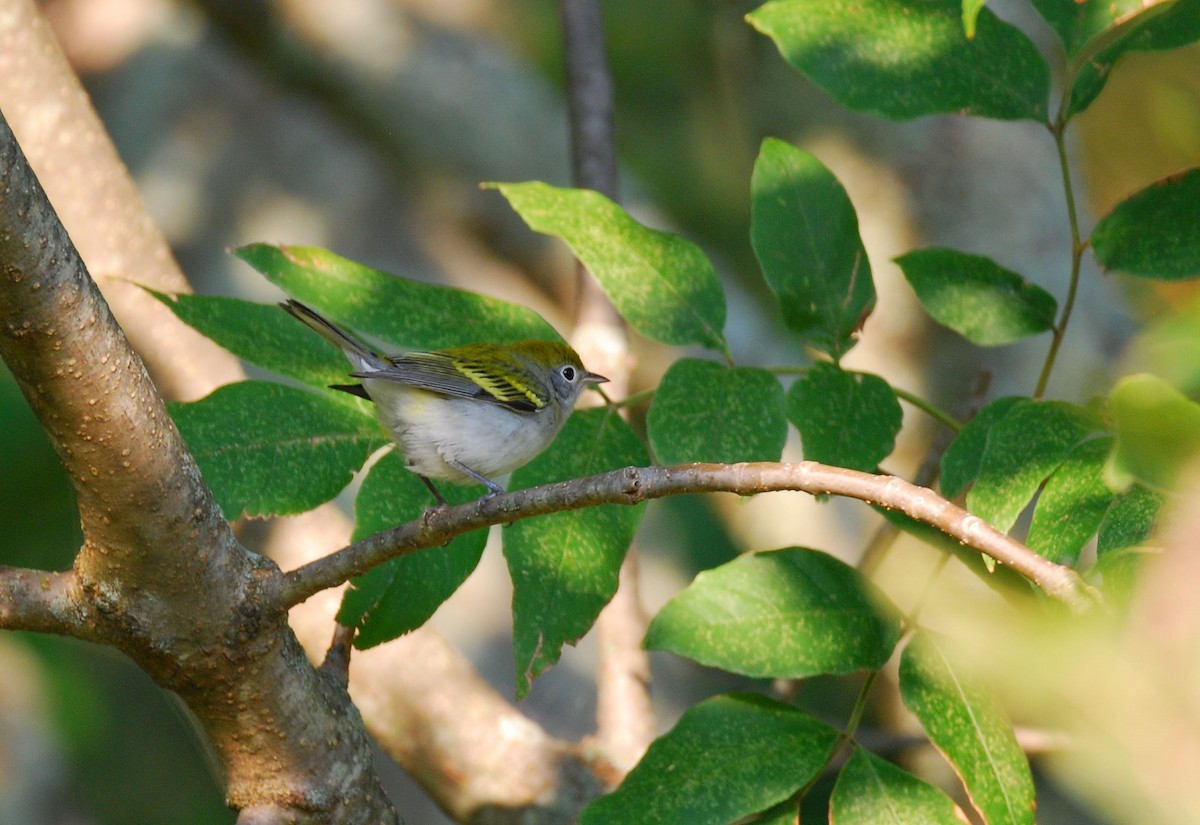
(266, 449)
(969, 728)
(704, 411)
(405, 314)
(1136, 26)
(1023, 448)
(1158, 432)
(1154, 234)
(564, 566)
(785, 813)
(1118, 574)
(849, 419)
(1079, 22)
(961, 461)
(1169, 347)
(400, 595)
(902, 59)
(662, 284)
(726, 758)
(1072, 504)
(805, 234)
(970, 14)
(980, 300)
(1129, 520)
(790, 614)
(262, 334)
(1127, 528)
(873, 791)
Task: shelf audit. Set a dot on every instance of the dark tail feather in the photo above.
(325, 328)
(353, 389)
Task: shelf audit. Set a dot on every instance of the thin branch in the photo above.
(40, 601)
(1059, 330)
(633, 485)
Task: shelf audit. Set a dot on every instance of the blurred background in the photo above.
(366, 126)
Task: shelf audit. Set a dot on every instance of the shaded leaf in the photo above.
(1154, 234)
(1129, 520)
(1073, 503)
(805, 234)
(873, 791)
(266, 449)
(1156, 26)
(1022, 449)
(1078, 24)
(980, 300)
(726, 758)
(903, 59)
(960, 462)
(845, 418)
(790, 613)
(705, 411)
(969, 728)
(564, 566)
(402, 594)
(662, 284)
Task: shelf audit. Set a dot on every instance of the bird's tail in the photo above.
(359, 355)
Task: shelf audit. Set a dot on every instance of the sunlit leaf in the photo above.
(972, 295)
(662, 284)
(726, 758)
(1154, 234)
(873, 791)
(789, 613)
(400, 595)
(902, 60)
(267, 449)
(849, 419)
(564, 566)
(403, 313)
(705, 411)
(805, 235)
(969, 728)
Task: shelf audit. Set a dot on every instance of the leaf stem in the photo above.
(924, 405)
(929, 408)
(1058, 130)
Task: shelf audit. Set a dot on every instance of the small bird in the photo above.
(465, 413)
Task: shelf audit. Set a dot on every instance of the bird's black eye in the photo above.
(568, 373)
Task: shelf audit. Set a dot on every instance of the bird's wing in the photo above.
(456, 377)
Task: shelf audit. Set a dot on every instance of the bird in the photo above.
(463, 414)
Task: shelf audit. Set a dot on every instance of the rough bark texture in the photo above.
(160, 575)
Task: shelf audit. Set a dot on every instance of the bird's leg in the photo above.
(493, 487)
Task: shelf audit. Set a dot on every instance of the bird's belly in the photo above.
(433, 430)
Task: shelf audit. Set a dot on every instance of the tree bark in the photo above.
(160, 575)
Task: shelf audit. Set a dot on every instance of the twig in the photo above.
(633, 485)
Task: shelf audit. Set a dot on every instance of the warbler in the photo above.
(466, 413)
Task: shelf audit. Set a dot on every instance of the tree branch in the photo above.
(160, 575)
(633, 485)
(39, 601)
(98, 203)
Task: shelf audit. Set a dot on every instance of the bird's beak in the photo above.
(593, 378)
